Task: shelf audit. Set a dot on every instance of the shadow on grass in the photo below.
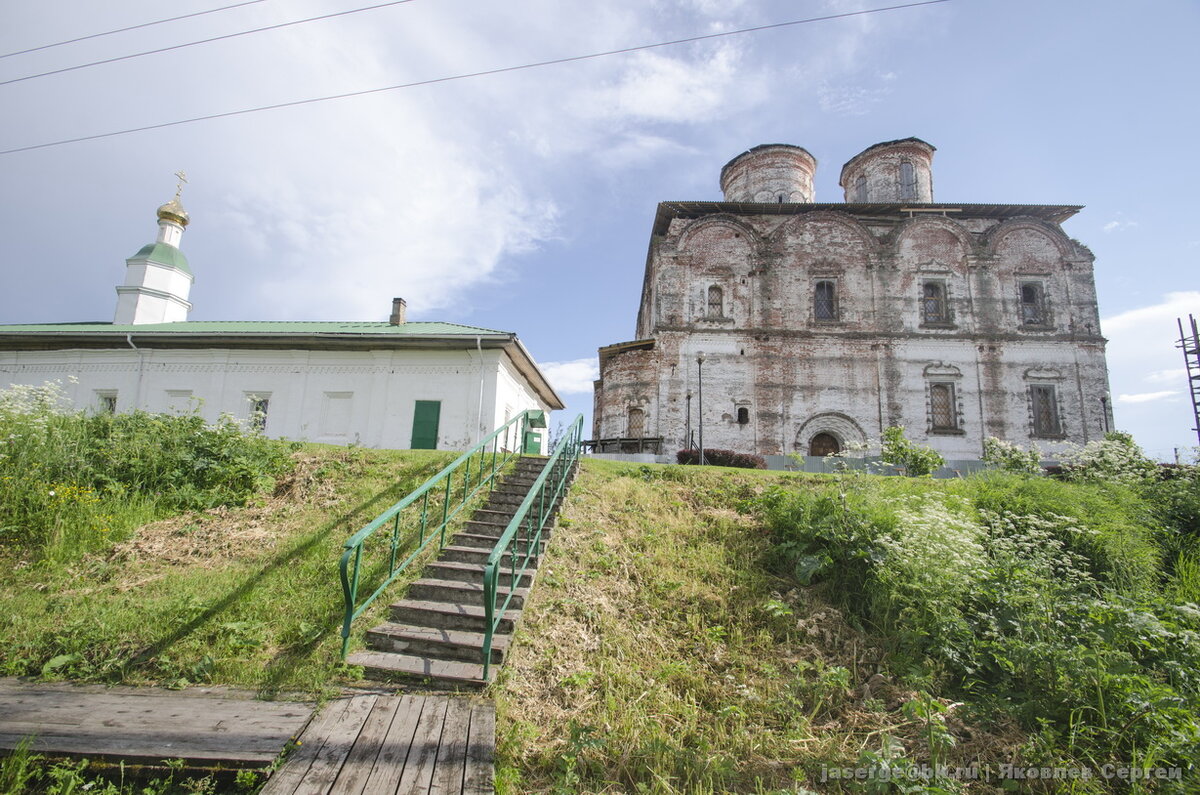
(289, 659)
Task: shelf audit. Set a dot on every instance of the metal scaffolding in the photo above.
(1190, 345)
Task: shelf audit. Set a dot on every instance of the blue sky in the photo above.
(523, 201)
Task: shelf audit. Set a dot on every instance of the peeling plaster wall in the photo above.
(874, 361)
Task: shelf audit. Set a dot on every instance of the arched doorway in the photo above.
(824, 444)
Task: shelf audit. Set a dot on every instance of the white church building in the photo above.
(391, 384)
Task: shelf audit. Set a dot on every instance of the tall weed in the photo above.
(73, 481)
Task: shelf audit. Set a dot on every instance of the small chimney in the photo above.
(398, 312)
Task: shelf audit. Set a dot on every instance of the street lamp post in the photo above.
(700, 395)
(687, 422)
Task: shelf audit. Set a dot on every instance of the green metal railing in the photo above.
(522, 537)
(430, 509)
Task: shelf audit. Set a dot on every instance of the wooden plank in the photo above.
(288, 777)
(357, 767)
(339, 739)
(418, 770)
(389, 765)
(148, 724)
(143, 750)
(451, 758)
(480, 773)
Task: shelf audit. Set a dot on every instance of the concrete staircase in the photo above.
(435, 635)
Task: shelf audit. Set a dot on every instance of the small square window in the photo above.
(260, 406)
(106, 401)
(743, 415)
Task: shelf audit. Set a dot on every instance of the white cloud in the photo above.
(1141, 353)
(1157, 321)
(573, 376)
(1146, 397)
(1166, 376)
(666, 88)
(1119, 226)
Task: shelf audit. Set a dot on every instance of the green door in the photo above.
(425, 424)
(533, 443)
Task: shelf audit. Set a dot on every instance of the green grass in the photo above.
(244, 596)
(718, 630)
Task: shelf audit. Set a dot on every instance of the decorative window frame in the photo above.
(630, 408)
(944, 375)
(1047, 378)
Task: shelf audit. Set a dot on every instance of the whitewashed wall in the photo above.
(338, 397)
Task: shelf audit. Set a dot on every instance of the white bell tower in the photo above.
(157, 277)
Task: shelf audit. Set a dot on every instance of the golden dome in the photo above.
(173, 211)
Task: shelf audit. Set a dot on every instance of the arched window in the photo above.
(933, 302)
(824, 444)
(908, 180)
(860, 189)
(743, 415)
(637, 423)
(716, 301)
(825, 301)
(943, 415)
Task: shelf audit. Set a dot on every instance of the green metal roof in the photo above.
(259, 327)
(163, 254)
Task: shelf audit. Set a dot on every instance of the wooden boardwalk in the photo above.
(372, 744)
(356, 745)
(205, 726)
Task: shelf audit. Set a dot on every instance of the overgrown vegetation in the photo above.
(234, 582)
(24, 771)
(722, 458)
(720, 631)
(75, 481)
(915, 460)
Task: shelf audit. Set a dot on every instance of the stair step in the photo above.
(442, 644)
(496, 530)
(474, 555)
(442, 615)
(471, 572)
(488, 542)
(460, 593)
(454, 674)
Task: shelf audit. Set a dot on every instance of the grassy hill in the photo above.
(710, 630)
(692, 629)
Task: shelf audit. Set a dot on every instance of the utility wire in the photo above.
(450, 78)
(131, 27)
(203, 41)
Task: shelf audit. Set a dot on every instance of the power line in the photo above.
(203, 41)
(131, 27)
(465, 76)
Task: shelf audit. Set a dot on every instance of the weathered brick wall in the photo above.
(885, 356)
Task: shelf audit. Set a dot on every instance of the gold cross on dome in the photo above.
(182, 181)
